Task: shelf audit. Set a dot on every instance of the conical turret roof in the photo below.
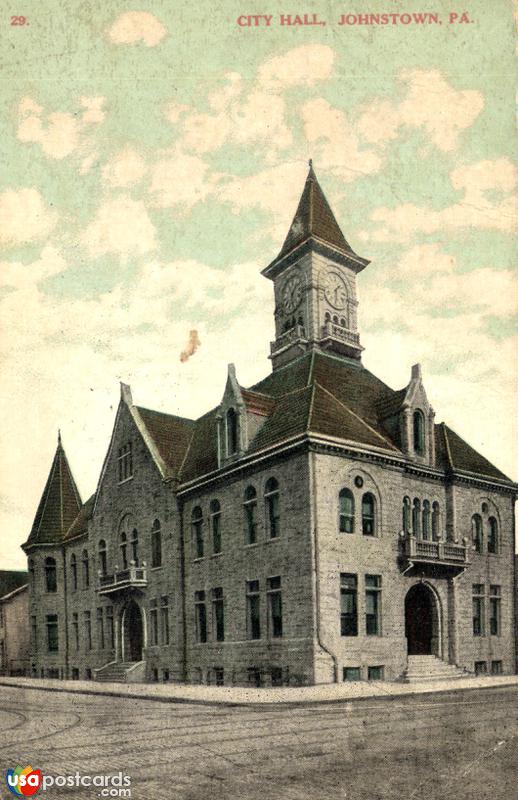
(59, 505)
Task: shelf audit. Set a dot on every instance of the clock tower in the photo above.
(314, 279)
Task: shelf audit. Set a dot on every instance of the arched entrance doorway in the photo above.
(133, 632)
(422, 621)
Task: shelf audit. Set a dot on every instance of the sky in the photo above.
(152, 156)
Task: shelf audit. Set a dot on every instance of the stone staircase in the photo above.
(121, 672)
(423, 669)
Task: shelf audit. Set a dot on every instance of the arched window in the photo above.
(51, 578)
(134, 546)
(342, 322)
(346, 511)
(271, 496)
(86, 569)
(103, 561)
(73, 571)
(406, 514)
(156, 544)
(427, 520)
(476, 532)
(327, 317)
(368, 515)
(231, 432)
(436, 522)
(335, 319)
(124, 550)
(419, 440)
(197, 531)
(492, 536)
(250, 506)
(416, 517)
(215, 525)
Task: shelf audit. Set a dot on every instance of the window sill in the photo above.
(198, 559)
(272, 539)
(216, 555)
(155, 569)
(252, 544)
(120, 483)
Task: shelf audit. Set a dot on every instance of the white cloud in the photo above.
(125, 168)
(121, 226)
(58, 133)
(131, 27)
(334, 142)
(431, 103)
(305, 65)
(179, 179)
(477, 209)
(24, 216)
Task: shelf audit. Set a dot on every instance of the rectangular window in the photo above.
(197, 528)
(348, 604)
(352, 674)
(75, 674)
(251, 524)
(496, 668)
(153, 622)
(75, 630)
(480, 668)
(34, 635)
(494, 610)
(253, 613)
(88, 630)
(373, 605)
(125, 462)
(201, 617)
(376, 673)
(218, 614)
(100, 628)
(156, 548)
(110, 630)
(276, 676)
(273, 514)
(216, 533)
(219, 676)
(52, 633)
(478, 609)
(273, 593)
(254, 676)
(164, 619)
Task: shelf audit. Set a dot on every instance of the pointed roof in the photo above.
(314, 218)
(59, 505)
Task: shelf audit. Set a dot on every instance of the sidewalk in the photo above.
(234, 695)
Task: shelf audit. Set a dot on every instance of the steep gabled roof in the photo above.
(59, 505)
(11, 580)
(171, 436)
(459, 455)
(80, 524)
(314, 218)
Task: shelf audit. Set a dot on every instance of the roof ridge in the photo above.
(447, 445)
(165, 414)
(356, 416)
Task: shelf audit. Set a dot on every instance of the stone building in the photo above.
(14, 623)
(318, 526)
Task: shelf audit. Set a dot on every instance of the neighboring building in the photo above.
(15, 644)
(316, 527)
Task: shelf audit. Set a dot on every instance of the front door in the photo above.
(133, 632)
(419, 620)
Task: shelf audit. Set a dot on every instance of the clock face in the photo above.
(292, 294)
(335, 290)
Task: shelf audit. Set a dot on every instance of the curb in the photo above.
(67, 687)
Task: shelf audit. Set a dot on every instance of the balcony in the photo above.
(337, 335)
(295, 334)
(131, 578)
(423, 553)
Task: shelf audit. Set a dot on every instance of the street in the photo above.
(452, 745)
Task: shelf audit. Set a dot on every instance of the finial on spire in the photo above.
(59, 437)
(310, 162)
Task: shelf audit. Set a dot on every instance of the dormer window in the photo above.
(419, 438)
(231, 422)
(125, 462)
